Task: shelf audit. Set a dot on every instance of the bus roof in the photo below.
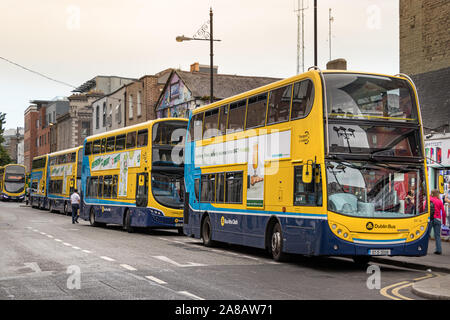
(131, 128)
(56, 153)
(12, 164)
(311, 74)
(42, 156)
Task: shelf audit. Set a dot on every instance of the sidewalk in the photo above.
(437, 288)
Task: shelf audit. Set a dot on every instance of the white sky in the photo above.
(75, 40)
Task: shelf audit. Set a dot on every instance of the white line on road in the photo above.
(86, 251)
(67, 244)
(50, 236)
(188, 294)
(128, 267)
(58, 240)
(43, 233)
(156, 280)
(107, 258)
(76, 248)
(189, 264)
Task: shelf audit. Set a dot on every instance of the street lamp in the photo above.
(208, 37)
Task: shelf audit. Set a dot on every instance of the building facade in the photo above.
(185, 91)
(425, 56)
(13, 144)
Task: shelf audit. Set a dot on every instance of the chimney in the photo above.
(195, 67)
(337, 64)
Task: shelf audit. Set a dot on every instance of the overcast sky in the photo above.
(75, 40)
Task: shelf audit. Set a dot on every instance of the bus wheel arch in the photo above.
(274, 239)
(127, 220)
(206, 230)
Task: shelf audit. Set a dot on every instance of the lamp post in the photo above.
(205, 37)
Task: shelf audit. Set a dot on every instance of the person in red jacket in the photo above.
(436, 219)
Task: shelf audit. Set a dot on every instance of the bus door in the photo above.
(142, 189)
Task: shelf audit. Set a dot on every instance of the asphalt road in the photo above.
(44, 256)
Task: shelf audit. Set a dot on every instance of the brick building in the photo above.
(425, 56)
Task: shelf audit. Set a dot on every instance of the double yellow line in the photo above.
(396, 287)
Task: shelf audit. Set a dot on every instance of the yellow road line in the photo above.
(423, 278)
(397, 294)
(384, 290)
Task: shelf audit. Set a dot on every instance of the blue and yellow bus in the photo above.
(133, 176)
(64, 176)
(323, 163)
(38, 182)
(12, 182)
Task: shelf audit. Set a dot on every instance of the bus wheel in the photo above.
(180, 231)
(127, 222)
(92, 218)
(50, 206)
(207, 232)
(276, 244)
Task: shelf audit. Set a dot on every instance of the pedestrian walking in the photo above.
(75, 200)
(436, 214)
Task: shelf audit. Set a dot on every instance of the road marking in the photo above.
(397, 294)
(107, 258)
(128, 267)
(86, 251)
(76, 248)
(67, 244)
(35, 230)
(50, 236)
(33, 266)
(156, 280)
(423, 278)
(43, 233)
(189, 264)
(58, 240)
(188, 294)
(384, 290)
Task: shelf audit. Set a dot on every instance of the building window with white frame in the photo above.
(139, 108)
(130, 106)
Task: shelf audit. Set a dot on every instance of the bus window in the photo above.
(256, 111)
(303, 99)
(131, 140)
(93, 187)
(233, 187)
(114, 187)
(96, 147)
(236, 117)
(223, 117)
(120, 142)
(279, 105)
(142, 138)
(220, 188)
(207, 194)
(110, 144)
(210, 129)
(107, 187)
(100, 187)
(103, 148)
(195, 128)
(88, 149)
(73, 157)
(307, 194)
(197, 188)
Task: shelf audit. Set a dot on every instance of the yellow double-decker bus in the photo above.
(12, 182)
(38, 182)
(133, 176)
(64, 176)
(323, 163)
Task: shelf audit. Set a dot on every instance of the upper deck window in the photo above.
(303, 99)
(354, 96)
(279, 105)
(210, 129)
(236, 118)
(256, 111)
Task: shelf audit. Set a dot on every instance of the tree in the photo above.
(4, 156)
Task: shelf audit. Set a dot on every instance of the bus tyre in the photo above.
(92, 218)
(276, 244)
(207, 232)
(180, 231)
(127, 223)
(50, 206)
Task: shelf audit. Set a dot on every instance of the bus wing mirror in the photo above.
(307, 173)
(441, 184)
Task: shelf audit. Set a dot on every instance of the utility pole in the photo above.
(315, 33)
(330, 20)
(300, 39)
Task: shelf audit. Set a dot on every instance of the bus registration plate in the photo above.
(178, 224)
(380, 252)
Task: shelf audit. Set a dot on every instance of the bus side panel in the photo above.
(254, 227)
(301, 235)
